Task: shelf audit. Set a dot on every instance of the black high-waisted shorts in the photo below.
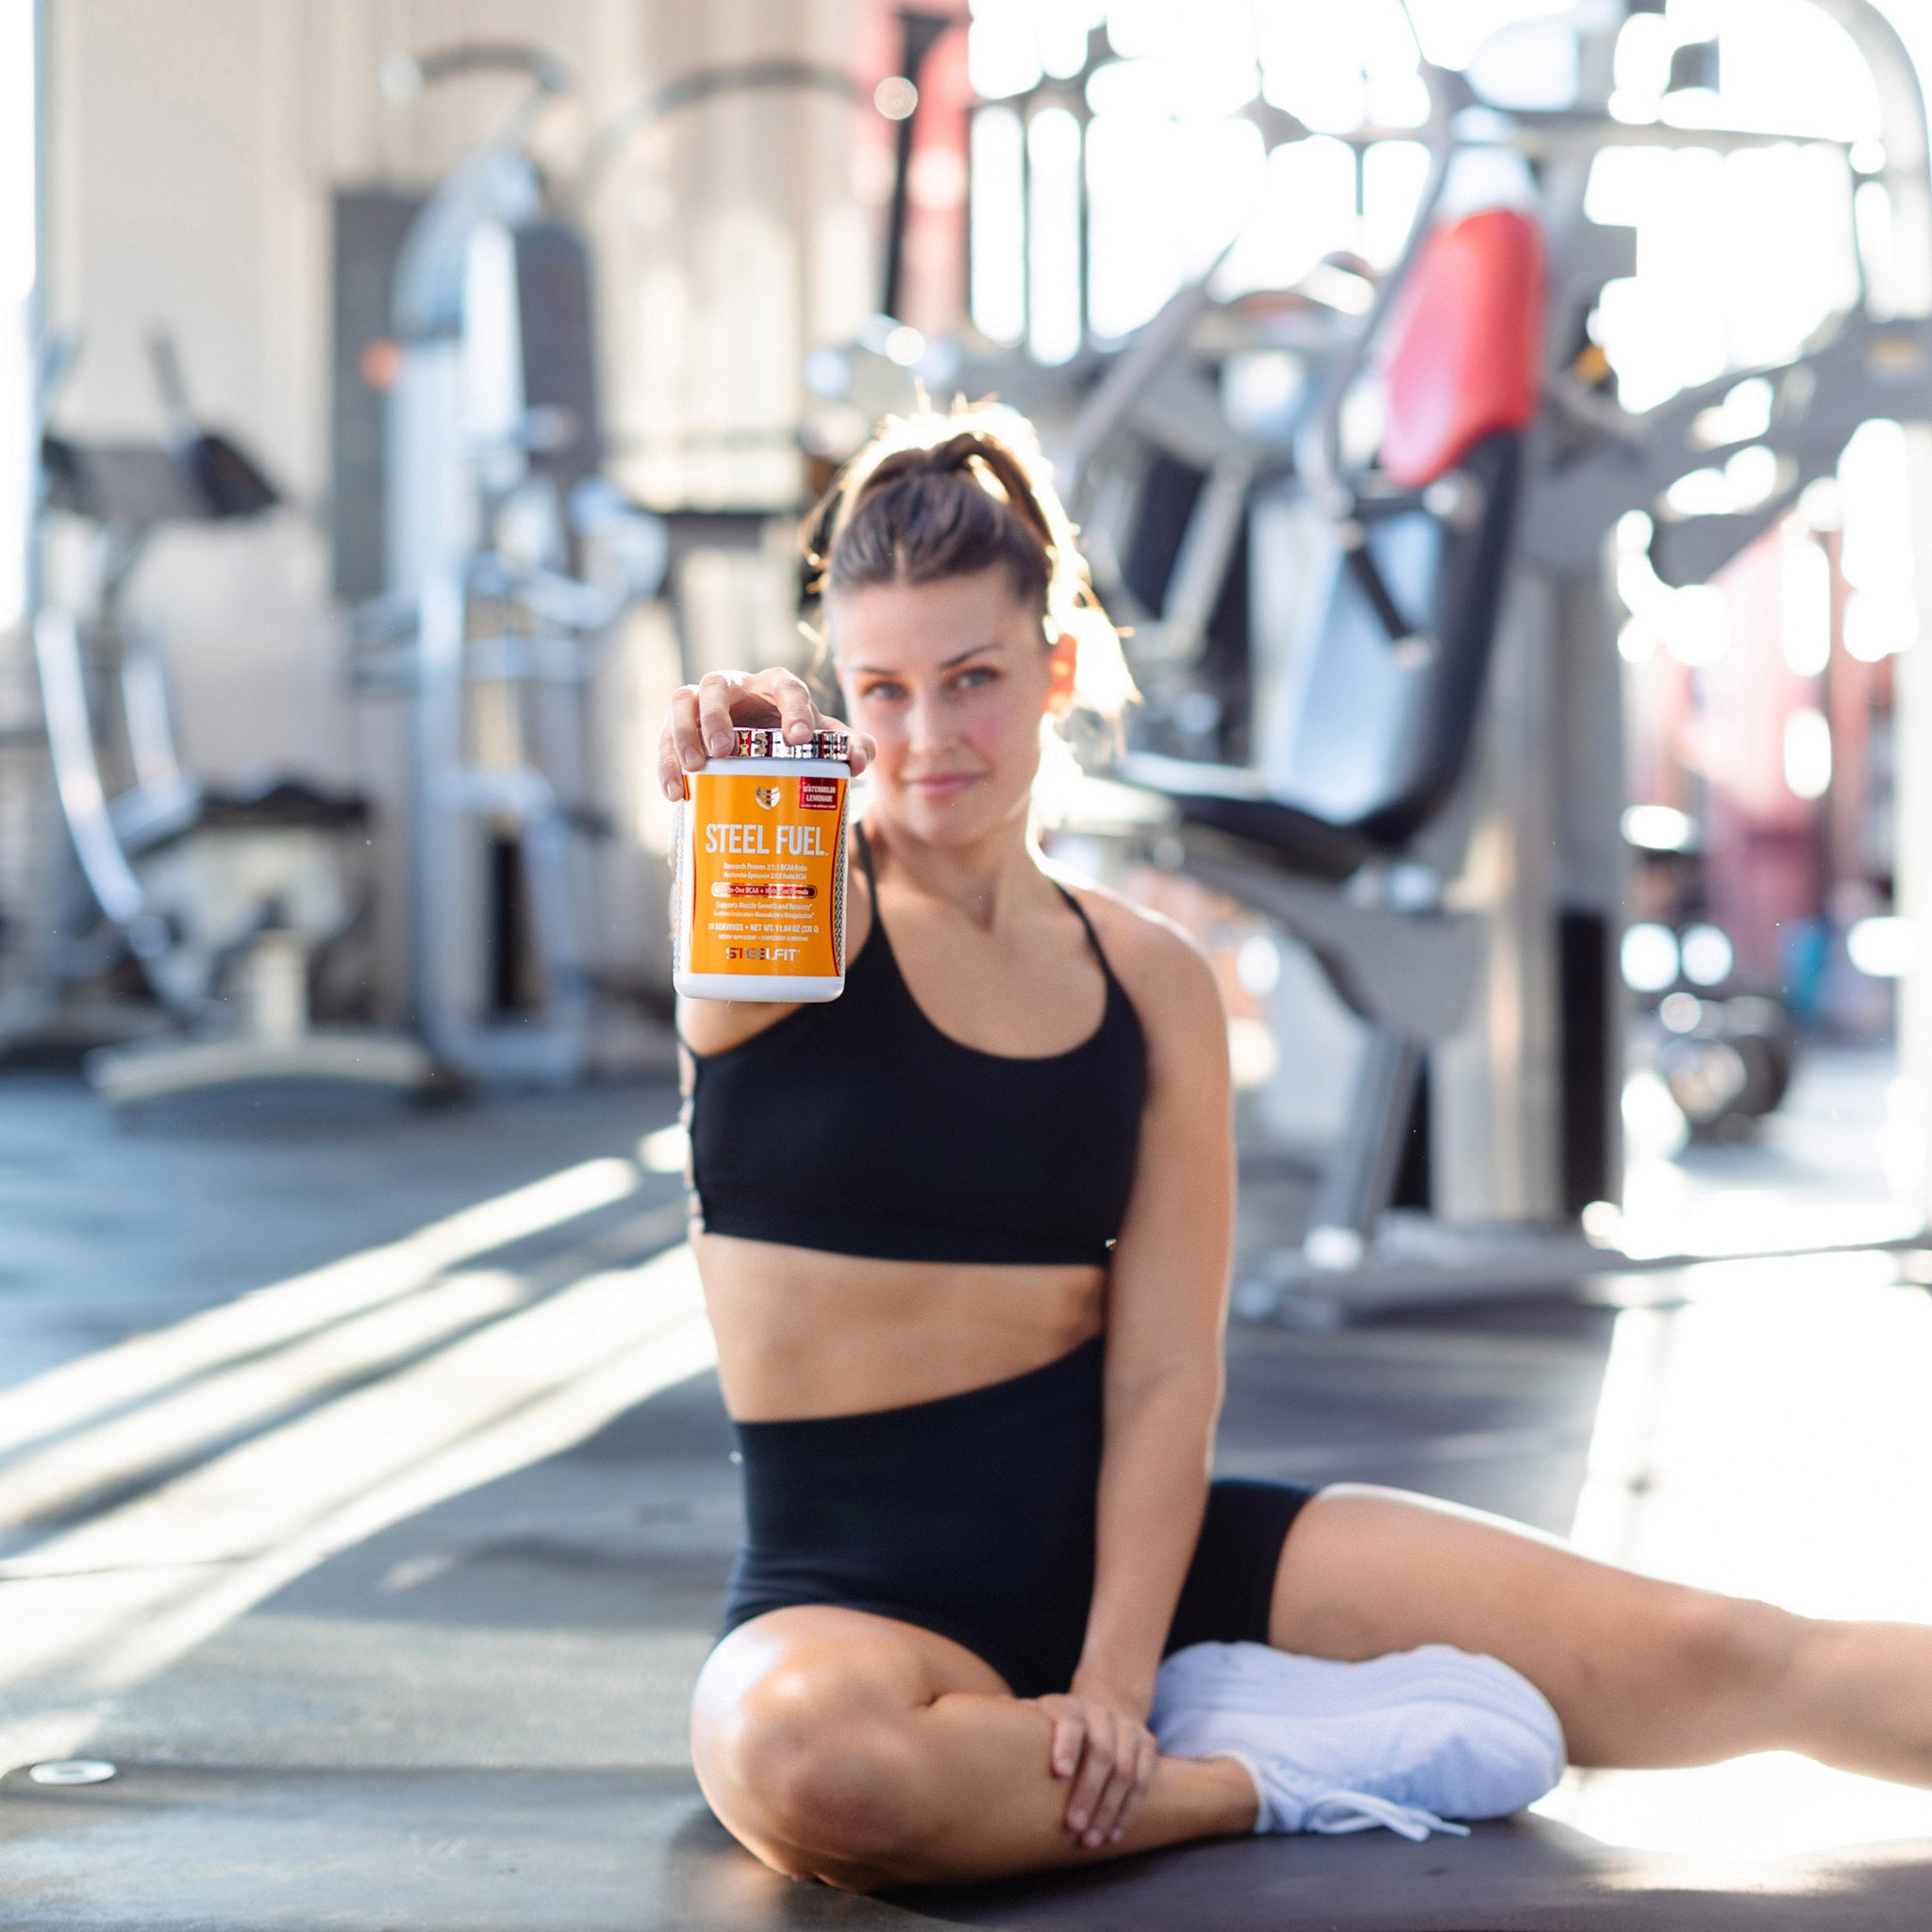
(974, 1516)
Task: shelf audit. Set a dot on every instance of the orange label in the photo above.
(767, 876)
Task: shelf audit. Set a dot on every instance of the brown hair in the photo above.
(942, 494)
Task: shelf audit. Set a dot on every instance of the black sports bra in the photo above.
(857, 1126)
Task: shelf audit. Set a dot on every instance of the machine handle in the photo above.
(615, 133)
(76, 774)
(1359, 560)
(405, 76)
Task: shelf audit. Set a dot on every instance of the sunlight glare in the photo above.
(1766, 1438)
(95, 1384)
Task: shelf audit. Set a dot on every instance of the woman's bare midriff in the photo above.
(802, 1333)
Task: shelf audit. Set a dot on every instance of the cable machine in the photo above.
(510, 561)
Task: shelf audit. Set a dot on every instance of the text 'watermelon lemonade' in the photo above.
(758, 895)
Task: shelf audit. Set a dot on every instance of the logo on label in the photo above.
(767, 796)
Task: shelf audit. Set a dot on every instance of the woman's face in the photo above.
(951, 678)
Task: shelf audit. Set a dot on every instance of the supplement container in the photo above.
(758, 889)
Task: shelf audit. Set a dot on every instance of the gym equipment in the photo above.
(1726, 1055)
(1360, 672)
(510, 563)
(1363, 731)
(222, 896)
(1726, 1062)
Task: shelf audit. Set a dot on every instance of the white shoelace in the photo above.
(1364, 1811)
(1338, 1811)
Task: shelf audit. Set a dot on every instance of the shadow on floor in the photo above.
(171, 1849)
(1523, 1876)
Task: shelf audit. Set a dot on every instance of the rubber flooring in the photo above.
(476, 1851)
(472, 1717)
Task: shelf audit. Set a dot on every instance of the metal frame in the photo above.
(1479, 988)
(267, 1035)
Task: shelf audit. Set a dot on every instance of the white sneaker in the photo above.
(1407, 1741)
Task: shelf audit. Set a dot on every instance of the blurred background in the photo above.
(578, 312)
(1501, 427)
(317, 312)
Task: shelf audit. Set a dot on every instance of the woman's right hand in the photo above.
(703, 714)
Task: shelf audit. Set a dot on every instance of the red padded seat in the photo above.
(1465, 350)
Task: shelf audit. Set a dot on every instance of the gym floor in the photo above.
(393, 1625)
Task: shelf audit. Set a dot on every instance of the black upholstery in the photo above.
(205, 480)
(1359, 743)
(278, 804)
(1296, 840)
(559, 366)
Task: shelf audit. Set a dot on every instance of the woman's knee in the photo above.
(1735, 1648)
(809, 1765)
(1719, 1667)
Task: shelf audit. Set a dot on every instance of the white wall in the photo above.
(180, 197)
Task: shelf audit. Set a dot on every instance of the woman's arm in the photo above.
(1167, 1300)
(698, 726)
(1167, 1294)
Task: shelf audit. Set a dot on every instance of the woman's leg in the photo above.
(1641, 1672)
(870, 1753)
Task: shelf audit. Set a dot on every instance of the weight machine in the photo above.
(223, 897)
(511, 564)
(1382, 695)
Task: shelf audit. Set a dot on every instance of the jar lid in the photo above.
(757, 743)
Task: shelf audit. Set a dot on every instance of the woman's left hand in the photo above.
(1102, 1742)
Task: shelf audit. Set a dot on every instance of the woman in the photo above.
(965, 1241)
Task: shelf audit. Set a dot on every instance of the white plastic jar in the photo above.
(758, 889)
